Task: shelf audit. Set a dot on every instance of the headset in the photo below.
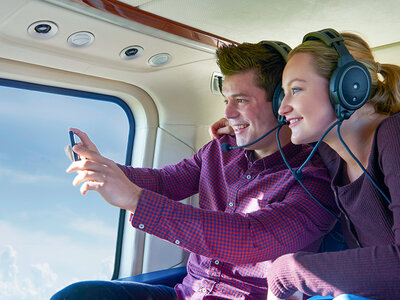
(350, 82)
(277, 99)
(349, 90)
(278, 95)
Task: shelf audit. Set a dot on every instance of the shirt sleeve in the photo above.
(372, 272)
(279, 228)
(352, 271)
(388, 141)
(176, 182)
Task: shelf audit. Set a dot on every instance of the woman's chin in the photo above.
(299, 139)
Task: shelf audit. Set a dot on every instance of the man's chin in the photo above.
(240, 143)
(244, 143)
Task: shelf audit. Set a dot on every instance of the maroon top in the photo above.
(372, 267)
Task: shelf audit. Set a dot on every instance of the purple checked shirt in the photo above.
(250, 212)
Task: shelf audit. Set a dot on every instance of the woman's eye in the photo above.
(295, 90)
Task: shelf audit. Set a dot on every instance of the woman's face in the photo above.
(306, 104)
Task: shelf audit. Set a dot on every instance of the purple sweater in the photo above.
(371, 268)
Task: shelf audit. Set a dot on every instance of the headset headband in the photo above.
(332, 38)
(278, 95)
(350, 83)
(282, 48)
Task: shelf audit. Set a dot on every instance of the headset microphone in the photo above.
(226, 147)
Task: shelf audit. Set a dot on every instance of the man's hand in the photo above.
(85, 140)
(100, 174)
(220, 128)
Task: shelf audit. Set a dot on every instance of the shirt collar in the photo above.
(290, 150)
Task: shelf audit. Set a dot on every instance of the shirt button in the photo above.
(216, 262)
(230, 204)
(203, 290)
(177, 242)
(141, 226)
(248, 176)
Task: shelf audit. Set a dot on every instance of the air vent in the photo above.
(216, 83)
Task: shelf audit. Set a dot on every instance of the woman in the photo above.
(371, 267)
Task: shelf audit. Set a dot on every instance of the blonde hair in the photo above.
(385, 93)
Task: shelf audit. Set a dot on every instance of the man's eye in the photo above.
(226, 102)
(240, 100)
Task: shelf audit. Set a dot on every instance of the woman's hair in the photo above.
(268, 63)
(385, 89)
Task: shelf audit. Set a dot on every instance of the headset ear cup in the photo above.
(350, 86)
(277, 99)
(350, 83)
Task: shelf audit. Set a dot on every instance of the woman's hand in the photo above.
(296, 296)
(220, 128)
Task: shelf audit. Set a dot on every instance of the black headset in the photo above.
(278, 95)
(349, 89)
(350, 82)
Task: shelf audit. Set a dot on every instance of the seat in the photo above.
(169, 277)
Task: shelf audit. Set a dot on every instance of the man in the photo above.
(251, 209)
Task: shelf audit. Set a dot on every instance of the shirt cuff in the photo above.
(147, 216)
(163, 217)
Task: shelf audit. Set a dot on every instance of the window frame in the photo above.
(129, 151)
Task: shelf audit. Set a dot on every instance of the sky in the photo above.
(51, 235)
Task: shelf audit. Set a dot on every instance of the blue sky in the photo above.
(51, 234)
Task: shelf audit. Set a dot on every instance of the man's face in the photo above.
(247, 110)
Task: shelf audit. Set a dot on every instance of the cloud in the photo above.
(8, 265)
(15, 176)
(92, 227)
(10, 287)
(18, 286)
(34, 265)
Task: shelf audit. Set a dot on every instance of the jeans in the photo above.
(112, 290)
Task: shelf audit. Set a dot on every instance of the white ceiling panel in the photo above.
(286, 20)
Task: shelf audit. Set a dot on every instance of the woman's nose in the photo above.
(284, 108)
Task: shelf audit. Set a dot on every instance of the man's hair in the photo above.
(268, 63)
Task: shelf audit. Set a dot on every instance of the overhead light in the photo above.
(81, 39)
(159, 60)
(131, 52)
(43, 29)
